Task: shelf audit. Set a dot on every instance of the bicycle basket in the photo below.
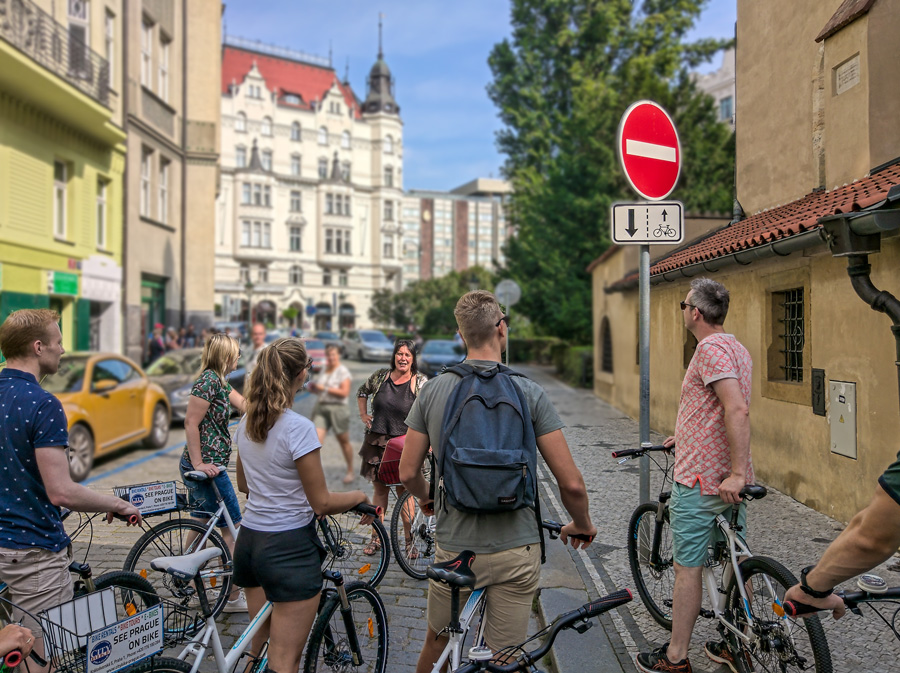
(154, 497)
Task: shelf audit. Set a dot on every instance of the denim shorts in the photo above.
(202, 497)
(693, 519)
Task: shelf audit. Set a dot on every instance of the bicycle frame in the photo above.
(221, 512)
(453, 650)
(199, 644)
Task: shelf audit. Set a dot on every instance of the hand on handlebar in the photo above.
(208, 469)
(127, 512)
(730, 489)
(670, 442)
(16, 637)
(366, 519)
(832, 603)
(570, 529)
(427, 506)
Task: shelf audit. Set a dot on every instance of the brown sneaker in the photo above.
(649, 662)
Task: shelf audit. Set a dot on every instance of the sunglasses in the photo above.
(503, 319)
(309, 364)
(684, 305)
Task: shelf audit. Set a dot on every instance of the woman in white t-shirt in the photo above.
(332, 385)
(278, 554)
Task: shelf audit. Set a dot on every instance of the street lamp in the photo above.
(249, 287)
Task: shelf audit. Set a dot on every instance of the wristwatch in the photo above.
(809, 590)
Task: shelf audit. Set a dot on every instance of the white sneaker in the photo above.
(239, 604)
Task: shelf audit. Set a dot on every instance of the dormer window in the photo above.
(291, 99)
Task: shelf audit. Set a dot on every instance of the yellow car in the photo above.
(110, 403)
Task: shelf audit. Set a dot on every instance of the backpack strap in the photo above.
(540, 519)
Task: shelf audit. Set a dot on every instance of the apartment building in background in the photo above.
(62, 160)
(171, 70)
(720, 85)
(308, 219)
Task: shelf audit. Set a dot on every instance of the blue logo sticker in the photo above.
(137, 499)
(100, 652)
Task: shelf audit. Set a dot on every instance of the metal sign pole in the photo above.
(508, 335)
(644, 280)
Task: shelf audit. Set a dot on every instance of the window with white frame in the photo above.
(323, 168)
(388, 176)
(60, 183)
(262, 275)
(163, 79)
(246, 226)
(245, 194)
(163, 190)
(347, 205)
(109, 43)
(388, 211)
(256, 235)
(295, 239)
(388, 145)
(266, 160)
(240, 122)
(296, 201)
(101, 213)
(387, 247)
(146, 160)
(295, 131)
(267, 196)
(345, 171)
(295, 164)
(323, 136)
(266, 235)
(345, 140)
(295, 275)
(326, 276)
(240, 156)
(146, 53)
(267, 126)
(257, 195)
(244, 273)
(329, 204)
(343, 280)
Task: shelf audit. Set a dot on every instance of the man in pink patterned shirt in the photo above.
(712, 463)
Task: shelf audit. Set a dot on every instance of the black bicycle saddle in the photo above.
(456, 572)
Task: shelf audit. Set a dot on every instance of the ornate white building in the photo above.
(309, 209)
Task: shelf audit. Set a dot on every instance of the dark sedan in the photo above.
(437, 354)
(176, 371)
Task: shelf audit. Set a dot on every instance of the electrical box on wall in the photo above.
(842, 417)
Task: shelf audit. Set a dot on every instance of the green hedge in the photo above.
(537, 350)
(575, 365)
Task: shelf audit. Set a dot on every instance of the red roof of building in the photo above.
(784, 221)
(308, 81)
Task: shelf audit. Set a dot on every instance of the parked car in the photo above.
(316, 350)
(330, 338)
(367, 344)
(439, 353)
(110, 403)
(237, 328)
(177, 371)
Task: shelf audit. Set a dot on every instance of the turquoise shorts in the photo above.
(693, 520)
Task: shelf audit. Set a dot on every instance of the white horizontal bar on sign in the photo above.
(639, 148)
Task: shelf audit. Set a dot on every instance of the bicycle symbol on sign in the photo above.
(664, 230)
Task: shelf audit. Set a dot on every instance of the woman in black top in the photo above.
(391, 393)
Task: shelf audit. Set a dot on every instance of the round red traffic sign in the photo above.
(649, 150)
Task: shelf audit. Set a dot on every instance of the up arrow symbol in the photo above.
(664, 215)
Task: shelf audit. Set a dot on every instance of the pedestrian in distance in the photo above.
(156, 346)
(278, 555)
(208, 440)
(35, 551)
(712, 464)
(389, 393)
(257, 342)
(332, 411)
(507, 543)
(190, 337)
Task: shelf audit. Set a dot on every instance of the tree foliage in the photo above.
(562, 83)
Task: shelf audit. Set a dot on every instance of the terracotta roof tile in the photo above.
(847, 13)
(783, 221)
(310, 82)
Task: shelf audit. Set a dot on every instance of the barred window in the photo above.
(606, 359)
(791, 337)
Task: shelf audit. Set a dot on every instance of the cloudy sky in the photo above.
(437, 52)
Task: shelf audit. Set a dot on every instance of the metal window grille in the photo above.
(606, 362)
(792, 334)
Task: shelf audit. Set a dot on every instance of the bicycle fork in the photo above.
(662, 506)
(347, 616)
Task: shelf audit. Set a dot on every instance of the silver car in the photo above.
(367, 344)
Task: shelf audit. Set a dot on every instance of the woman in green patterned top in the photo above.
(208, 446)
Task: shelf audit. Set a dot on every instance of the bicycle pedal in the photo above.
(583, 626)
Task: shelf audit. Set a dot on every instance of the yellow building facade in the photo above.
(62, 160)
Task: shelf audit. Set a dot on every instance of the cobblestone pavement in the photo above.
(779, 527)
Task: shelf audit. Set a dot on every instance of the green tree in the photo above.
(561, 83)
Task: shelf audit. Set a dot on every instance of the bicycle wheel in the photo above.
(329, 647)
(175, 538)
(777, 643)
(345, 537)
(417, 554)
(655, 583)
(133, 593)
(159, 665)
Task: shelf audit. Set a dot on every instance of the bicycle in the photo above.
(742, 598)
(665, 230)
(350, 631)
(458, 575)
(417, 528)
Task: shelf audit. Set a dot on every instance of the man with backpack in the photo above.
(485, 424)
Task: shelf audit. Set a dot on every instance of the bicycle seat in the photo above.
(185, 567)
(455, 572)
(754, 492)
(199, 475)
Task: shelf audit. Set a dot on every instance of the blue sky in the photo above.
(437, 52)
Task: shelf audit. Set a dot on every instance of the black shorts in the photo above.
(287, 565)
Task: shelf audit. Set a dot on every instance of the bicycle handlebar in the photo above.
(554, 528)
(64, 514)
(635, 453)
(851, 600)
(566, 621)
(371, 510)
(14, 658)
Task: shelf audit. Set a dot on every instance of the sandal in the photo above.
(412, 551)
(372, 548)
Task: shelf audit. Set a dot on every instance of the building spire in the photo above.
(380, 50)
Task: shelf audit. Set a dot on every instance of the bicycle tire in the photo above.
(133, 592)
(778, 641)
(655, 585)
(168, 539)
(345, 552)
(159, 665)
(422, 537)
(328, 648)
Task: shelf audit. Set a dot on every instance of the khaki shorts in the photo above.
(334, 417)
(38, 579)
(511, 577)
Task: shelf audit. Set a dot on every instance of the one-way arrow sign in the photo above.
(659, 222)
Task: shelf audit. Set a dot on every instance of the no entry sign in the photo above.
(649, 150)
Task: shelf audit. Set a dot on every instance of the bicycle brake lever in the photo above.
(583, 625)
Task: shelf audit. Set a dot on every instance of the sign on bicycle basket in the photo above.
(657, 222)
(152, 498)
(126, 642)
